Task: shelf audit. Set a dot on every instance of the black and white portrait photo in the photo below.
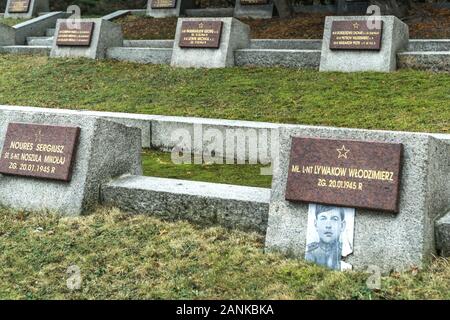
(330, 235)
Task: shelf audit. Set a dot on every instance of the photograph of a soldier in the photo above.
(329, 235)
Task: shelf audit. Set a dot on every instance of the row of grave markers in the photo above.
(389, 178)
(349, 43)
(336, 172)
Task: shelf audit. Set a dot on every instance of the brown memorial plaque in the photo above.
(254, 2)
(39, 151)
(164, 4)
(75, 37)
(355, 35)
(201, 34)
(19, 6)
(345, 173)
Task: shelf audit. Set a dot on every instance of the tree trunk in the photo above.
(284, 8)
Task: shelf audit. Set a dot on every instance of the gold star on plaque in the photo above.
(38, 136)
(200, 25)
(343, 152)
(356, 25)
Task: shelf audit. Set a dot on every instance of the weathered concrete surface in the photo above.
(235, 35)
(166, 44)
(139, 121)
(37, 26)
(140, 55)
(106, 150)
(40, 41)
(253, 11)
(288, 44)
(389, 241)
(179, 10)
(106, 35)
(302, 59)
(395, 39)
(429, 45)
(426, 60)
(7, 35)
(17, 34)
(443, 235)
(238, 207)
(36, 6)
(28, 50)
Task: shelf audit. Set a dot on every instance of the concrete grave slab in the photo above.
(105, 150)
(235, 35)
(25, 9)
(255, 9)
(395, 37)
(387, 240)
(105, 35)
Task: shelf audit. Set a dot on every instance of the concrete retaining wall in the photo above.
(157, 129)
(433, 61)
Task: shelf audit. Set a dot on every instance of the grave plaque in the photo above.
(355, 35)
(19, 6)
(75, 37)
(345, 173)
(254, 2)
(164, 4)
(39, 151)
(200, 34)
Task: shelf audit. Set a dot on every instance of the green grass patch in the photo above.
(160, 164)
(122, 256)
(11, 22)
(405, 100)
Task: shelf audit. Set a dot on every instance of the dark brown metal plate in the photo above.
(164, 4)
(39, 151)
(75, 37)
(254, 2)
(345, 173)
(19, 6)
(201, 34)
(355, 35)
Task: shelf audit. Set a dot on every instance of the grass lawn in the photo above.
(123, 257)
(159, 164)
(404, 100)
(11, 22)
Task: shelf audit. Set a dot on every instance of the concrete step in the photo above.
(304, 59)
(231, 206)
(424, 60)
(288, 44)
(141, 55)
(429, 45)
(32, 50)
(210, 12)
(50, 32)
(148, 43)
(39, 41)
(300, 44)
